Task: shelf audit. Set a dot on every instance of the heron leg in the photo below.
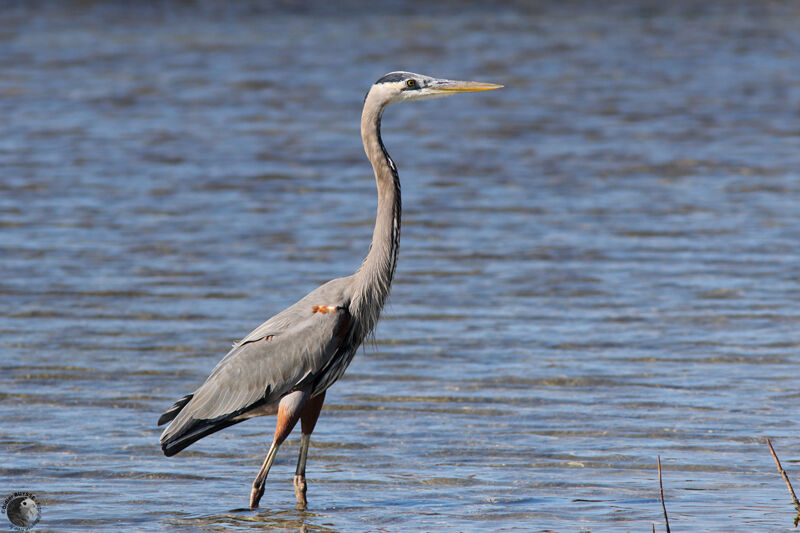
(289, 411)
(308, 419)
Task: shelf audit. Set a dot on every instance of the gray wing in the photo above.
(258, 371)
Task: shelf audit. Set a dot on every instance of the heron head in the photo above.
(401, 86)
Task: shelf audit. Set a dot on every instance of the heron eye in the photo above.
(411, 83)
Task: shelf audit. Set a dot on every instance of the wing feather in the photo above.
(258, 372)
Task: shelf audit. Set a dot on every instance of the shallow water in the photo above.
(599, 263)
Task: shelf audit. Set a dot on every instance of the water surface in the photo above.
(599, 263)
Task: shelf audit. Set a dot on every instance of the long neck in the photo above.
(373, 279)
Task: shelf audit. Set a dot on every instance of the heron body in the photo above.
(286, 364)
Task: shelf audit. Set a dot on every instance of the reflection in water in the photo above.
(598, 263)
(294, 520)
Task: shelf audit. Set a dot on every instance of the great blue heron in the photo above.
(287, 363)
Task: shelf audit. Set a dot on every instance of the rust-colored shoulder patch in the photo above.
(324, 309)
(268, 337)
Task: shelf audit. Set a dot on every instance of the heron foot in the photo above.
(300, 490)
(256, 494)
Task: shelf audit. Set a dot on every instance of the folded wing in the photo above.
(257, 373)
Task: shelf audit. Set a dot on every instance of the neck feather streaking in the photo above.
(374, 278)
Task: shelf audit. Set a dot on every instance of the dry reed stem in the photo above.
(661, 488)
(786, 479)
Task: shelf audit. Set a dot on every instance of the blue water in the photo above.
(599, 263)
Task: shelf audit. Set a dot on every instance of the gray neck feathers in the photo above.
(373, 279)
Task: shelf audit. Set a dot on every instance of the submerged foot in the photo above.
(300, 491)
(255, 495)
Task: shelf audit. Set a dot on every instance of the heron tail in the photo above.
(173, 411)
(190, 430)
(186, 430)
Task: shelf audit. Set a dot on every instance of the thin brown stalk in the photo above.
(786, 479)
(661, 488)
